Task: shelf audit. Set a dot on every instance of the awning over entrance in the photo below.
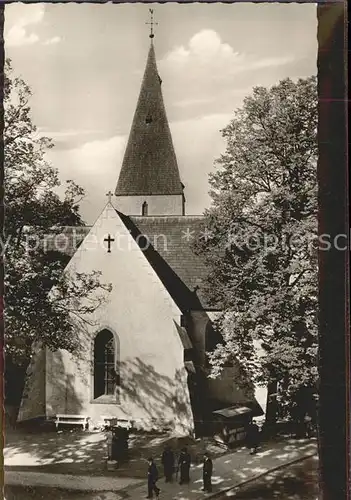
(233, 411)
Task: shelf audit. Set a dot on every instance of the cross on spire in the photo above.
(152, 23)
(109, 196)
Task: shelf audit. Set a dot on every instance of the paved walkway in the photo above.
(228, 471)
(79, 453)
(67, 481)
(234, 469)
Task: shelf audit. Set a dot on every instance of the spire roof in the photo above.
(149, 166)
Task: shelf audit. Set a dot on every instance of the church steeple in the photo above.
(149, 167)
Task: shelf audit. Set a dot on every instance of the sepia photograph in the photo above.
(161, 251)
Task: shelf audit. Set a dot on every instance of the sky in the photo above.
(84, 64)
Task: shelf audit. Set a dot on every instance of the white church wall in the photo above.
(156, 204)
(63, 392)
(153, 391)
(33, 397)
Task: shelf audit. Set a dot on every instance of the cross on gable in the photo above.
(109, 196)
(109, 240)
(152, 23)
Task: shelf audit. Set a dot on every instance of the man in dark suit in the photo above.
(253, 437)
(168, 463)
(184, 463)
(207, 473)
(152, 477)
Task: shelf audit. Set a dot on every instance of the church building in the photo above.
(143, 354)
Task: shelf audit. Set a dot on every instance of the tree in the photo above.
(260, 252)
(33, 212)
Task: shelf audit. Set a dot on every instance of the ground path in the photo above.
(235, 469)
(299, 481)
(230, 470)
(81, 453)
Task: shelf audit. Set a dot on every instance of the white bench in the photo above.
(82, 420)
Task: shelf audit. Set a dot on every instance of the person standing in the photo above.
(308, 427)
(207, 473)
(184, 463)
(152, 477)
(168, 463)
(253, 437)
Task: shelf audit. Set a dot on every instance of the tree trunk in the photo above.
(271, 408)
(334, 313)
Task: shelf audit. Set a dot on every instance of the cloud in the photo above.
(198, 143)
(57, 135)
(207, 54)
(53, 40)
(19, 18)
(203, 48)
(94, 165)
(98, 155)
(269, 62)
(207, 76)
(194, 102)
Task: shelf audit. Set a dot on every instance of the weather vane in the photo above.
(152, 23)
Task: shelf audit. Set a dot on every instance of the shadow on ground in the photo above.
(236, 468)
(29, 493)
(69, 450)
(85, 453)
(296, 482)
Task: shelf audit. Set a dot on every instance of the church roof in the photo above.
(149, 166)
(172, 256)
(169, 251)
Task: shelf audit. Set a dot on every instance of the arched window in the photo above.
(106, 378)
(144, 208)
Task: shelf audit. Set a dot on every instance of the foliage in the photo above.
(262, 228)
(30, 180)
(33, 211)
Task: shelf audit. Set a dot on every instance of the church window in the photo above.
(148, 120)
(105, 365)
(144, 208)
